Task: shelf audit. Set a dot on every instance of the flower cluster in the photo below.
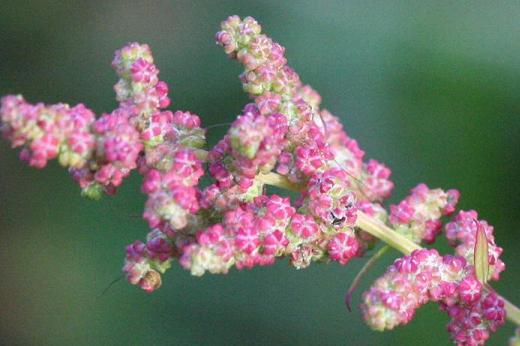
(47, 132)
(144, 261)
(252, 145)
(426, 276)
(172, 171)
(315, 140)
(418, 217)
(282, 138)
(450, 280)
(100, 153)
(119, 133)
(252, 234)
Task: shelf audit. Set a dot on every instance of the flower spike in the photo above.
(283, 138)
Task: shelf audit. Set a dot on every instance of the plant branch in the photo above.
(382, 232)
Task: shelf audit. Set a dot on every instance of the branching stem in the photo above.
(382, 232)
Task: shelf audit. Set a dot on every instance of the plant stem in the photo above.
(513, 312)
(357, 280)
(382, 232)
(278, 181)
(385, 233)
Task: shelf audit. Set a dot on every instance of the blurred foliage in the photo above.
(430, 88)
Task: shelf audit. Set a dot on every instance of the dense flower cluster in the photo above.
(144, 261)
(252, 145)
(426, 276)
(282, 138)
(314, 141)
(119, 143)
(252, 234)
(47, 132)
(418, 217)
(100, 153)
(449, 280)
(171, 173)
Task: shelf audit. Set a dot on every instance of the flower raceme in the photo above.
(426, 276)
(282, 138)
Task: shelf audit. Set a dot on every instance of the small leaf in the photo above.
(481, 255)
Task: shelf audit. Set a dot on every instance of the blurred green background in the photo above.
(431, 89)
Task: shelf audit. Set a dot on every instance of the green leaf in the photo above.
(481, 255)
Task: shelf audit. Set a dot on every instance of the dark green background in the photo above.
(433, 90)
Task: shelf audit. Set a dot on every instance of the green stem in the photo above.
(357, 280)
(385, 233)
(381, 231)
(278, 180)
